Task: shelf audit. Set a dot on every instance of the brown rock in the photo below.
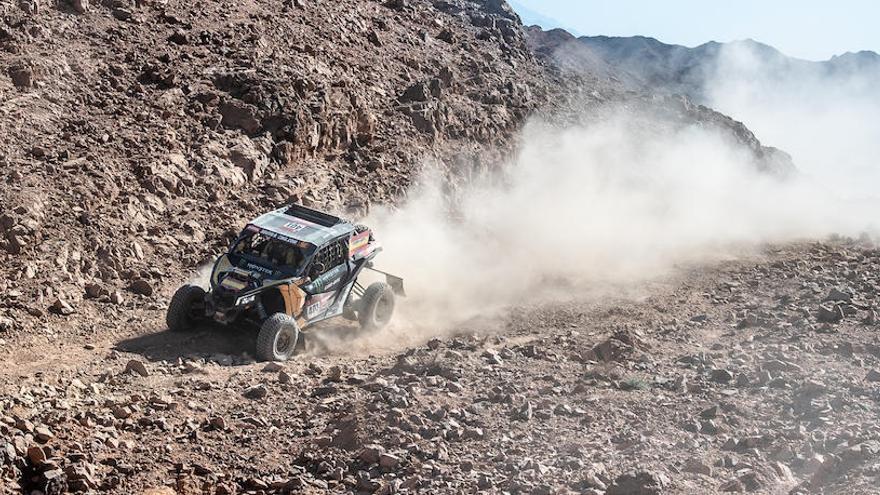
(22, 77)
(829, 314)
(218, 422)
(43, 434)
(697, 466)
(94, 290)
(371, 453)
(273, 367)
(81, 6)
(639, 483)
(159, 491)
(388, 461)
(61, 307)
(36, 455)
(239, 115)
(256, 392)
(142, 287)
(247, 157)
(117, 298)
(137, 367)
(720, 376)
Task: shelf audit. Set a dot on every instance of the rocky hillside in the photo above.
(135, 133)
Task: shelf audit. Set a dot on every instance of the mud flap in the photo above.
(396, 284)
(394, 281)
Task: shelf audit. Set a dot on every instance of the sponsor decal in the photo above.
(318, 304)
(357, 244)
(327, 279)
(294, 226)
(258, 268)
(280, 237)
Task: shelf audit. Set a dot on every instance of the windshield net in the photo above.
(271, 252)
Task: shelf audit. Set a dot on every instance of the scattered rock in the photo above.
(141, 287)
(837, 295)
(273, 367)
(43, 434)
(135, 366)
(284, 377)
(389, 462)
(639, 483)
(830, 314)
(218, 422)
(720, 376)
(256, 392)
(36, 455)
(697, 466)
(372, 453)
(239, 115)
(61, 307)
(22, 77)
(80, 6)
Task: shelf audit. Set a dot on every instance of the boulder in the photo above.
(829, 314)
(246, 156)
(80, 6)
(22, 76)
(256, 392)
(639, 483)
(141, 287)
(137, 367)
(61, 307)
(239, 115)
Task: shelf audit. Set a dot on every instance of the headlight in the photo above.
(242, 301)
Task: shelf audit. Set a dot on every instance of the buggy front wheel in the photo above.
(186, 308)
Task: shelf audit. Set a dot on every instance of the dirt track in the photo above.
(722, 379)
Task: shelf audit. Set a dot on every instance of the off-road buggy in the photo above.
(286, 271)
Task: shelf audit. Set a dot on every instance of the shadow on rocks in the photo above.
(225, 345)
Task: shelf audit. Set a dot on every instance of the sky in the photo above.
(808, 29)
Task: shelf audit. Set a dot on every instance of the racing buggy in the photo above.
(286, 271)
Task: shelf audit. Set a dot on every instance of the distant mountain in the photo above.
(646, 64)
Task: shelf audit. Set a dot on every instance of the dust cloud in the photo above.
(202, 276)
(824, 114)
(586, 206)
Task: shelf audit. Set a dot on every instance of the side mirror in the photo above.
(317, 269)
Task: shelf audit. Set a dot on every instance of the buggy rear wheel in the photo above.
(186, 308)
(376, 307)
(278, 338)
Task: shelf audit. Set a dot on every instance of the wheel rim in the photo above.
(384, 307)
(284, 342)
(196, 310)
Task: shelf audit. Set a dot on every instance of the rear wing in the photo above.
(394, 281)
